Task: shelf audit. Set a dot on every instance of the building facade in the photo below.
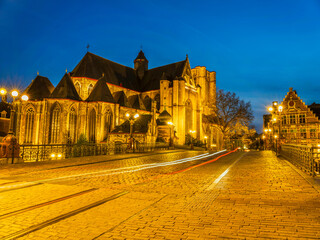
(95, 98)
(294, 122)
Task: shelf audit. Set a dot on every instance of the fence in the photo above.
(35, 153)
(304, 156)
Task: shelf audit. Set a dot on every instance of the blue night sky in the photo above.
(259, 48)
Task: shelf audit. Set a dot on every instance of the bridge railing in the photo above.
(35, 153)
(306, 157)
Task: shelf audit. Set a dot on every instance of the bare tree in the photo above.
(231, 112)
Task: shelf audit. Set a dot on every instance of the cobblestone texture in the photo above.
(260, 197)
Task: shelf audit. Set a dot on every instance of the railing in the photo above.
(35, 153)
(306, 157)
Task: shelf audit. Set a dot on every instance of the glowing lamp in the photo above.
(25, 97)
(205, 137)
(14, 93)
(280, 108)
(127, 114)
(136, 115)
(3, 91)
(59, 155)
(53, 155)
(275, 136)
(270, 109)
(170, 123)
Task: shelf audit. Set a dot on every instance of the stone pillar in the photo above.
(181, 106)
(175, 103)
(164, 94)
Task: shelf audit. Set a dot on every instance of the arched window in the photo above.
(29, 126)
(90, 87)
(78, 87)
(72, 126)
(157, 99)
(55, 124)
(92, 126)
(107, 123)
(188, 117)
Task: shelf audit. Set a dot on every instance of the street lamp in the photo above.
(132, 119)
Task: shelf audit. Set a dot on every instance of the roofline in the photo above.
(110, 60)
(166, 65)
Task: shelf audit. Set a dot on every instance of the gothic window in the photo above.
(302, 118)
(107, 123)
(92, 126)
(72, 126)
(157, 99)
(55, 125)
(188, 117)
(78, 87)
(90, 87)
(29, 126)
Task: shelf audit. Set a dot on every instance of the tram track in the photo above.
(26, 209)
(61, 217)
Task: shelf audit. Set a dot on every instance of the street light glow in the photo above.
(280, 108)
(53, 155)
(205, 137)
(270, 109)
(14, 93)
(136, 115)
(276, 136)
(170, 123)
(3, 91)
(25, 97)
(127, 115)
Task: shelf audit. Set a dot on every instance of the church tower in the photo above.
(141, 64)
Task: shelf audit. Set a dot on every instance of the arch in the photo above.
(29, 124)
(72, 125)
(188, 116)
(108, 119)
(92, 126)
(55, 123)
(157, 99)
(77, 85)
(90, 88)
(147, 103)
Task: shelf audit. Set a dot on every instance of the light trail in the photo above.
(115, 171)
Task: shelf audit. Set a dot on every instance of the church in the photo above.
(98, 97)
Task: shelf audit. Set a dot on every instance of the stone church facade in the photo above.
(94, 98)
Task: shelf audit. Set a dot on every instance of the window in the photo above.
(72, 126)
(292, 119)
(313, 133)
(55, 125)
(303, 135)
(302, 118)
(29, 126)
(284, 120)
(92, 126)
(90, 87)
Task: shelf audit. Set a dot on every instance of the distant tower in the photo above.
(141, 64)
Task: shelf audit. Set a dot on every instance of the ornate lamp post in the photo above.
(132, 119)
(10, 140)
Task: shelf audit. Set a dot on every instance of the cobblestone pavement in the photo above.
(240, 196)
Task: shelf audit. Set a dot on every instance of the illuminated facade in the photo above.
(94, 98)
(296, 123)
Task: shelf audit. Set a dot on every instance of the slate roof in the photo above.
(65, 89)
(153, 76)
(315, 108)
(39, 88)
(121, 98)
(136, 102)
(141, 56)
(93, 66)
(139, 126)
(101, 92)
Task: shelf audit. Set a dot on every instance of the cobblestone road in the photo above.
(240, 196)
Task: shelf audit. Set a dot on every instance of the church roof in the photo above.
(136, 102)
(93, 66)
(121, 98)
(140, 125)
(141, 56)
(39, 88)
(153, 76)
(65, 89)
(101, 92)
